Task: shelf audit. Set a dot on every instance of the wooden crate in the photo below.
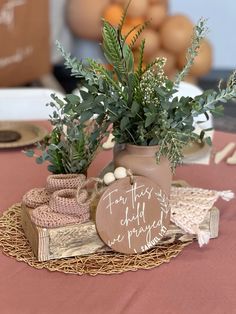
(82, 239)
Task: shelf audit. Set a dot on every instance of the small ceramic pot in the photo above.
(141, 160)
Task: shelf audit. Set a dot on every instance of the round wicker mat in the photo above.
(14, 243)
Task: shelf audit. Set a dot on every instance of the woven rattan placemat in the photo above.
(13, 243)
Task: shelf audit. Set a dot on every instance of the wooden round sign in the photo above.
(132, 215)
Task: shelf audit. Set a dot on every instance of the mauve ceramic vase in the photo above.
(141, 160)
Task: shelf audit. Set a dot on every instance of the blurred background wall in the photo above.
(221, 16)
(59, 28)
(82, 40)
(78, 40)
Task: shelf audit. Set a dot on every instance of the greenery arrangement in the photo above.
(139, 102)
(70, 147)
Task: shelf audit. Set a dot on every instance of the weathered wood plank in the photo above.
(53, 243)
(79, 239)
(214, 222)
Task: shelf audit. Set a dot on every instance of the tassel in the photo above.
(203, 237)
(226, 195)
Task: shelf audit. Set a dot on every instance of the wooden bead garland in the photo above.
(119, 173)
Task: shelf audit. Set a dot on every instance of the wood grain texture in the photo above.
(82, 239)
(53, 243)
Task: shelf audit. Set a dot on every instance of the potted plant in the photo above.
(149, 122)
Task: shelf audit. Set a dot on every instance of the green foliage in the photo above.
(122, 20)
(140, 62)
(140, 29)
(199, 33)
(71, 145)
(140, 103)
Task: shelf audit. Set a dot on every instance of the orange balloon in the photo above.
(134, 21)
(152, 42)
(84, 18)
(120, 1)
(203, 61)
(156, 15)
(158, 1)
(137, 8)
(113, 14)
(176, 33)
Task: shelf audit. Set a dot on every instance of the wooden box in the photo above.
(82, 239)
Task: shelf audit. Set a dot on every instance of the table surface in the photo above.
(197, 281)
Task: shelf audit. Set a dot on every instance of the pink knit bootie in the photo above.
(63, 209)
(40, 196)
(65, 202)
(43, 216)
(36, 197)
(57, 182)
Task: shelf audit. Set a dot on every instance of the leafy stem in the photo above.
(199, 33)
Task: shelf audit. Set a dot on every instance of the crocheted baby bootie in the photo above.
(36, 197)
(57, 182)
(44, 217)
(63, 209)
(65, 202)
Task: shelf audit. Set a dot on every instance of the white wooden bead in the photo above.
(109, 144)
(109, 178)
(120, 173)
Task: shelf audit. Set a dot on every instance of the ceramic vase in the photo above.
(141, 160)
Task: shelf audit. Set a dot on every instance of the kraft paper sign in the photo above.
(24, 36)
(132, 217)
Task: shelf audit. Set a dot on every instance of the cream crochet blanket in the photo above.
(189, 207)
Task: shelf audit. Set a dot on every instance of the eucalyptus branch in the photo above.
(199, 33)
(222, 97)
(209, 100)
(72, 63)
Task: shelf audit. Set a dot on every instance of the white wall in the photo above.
(222, 24)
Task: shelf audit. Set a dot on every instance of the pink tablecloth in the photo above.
(197, 281)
